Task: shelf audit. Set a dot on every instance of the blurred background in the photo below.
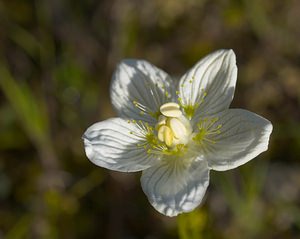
(56, 62)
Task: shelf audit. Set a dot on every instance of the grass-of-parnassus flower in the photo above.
(176, 133)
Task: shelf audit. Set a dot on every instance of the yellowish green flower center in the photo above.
(173, 135)
(172, 127)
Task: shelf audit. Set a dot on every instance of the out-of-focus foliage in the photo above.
(56, 61)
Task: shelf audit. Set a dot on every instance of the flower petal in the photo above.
(243, 136)
(209, 86)
(174, 186)
(139, 88)
(112, 144)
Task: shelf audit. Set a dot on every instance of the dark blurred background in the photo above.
(56, 62)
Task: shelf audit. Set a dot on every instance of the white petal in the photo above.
(112, 144)
(210, 83)
(174, 187)
(137, 80)
(243, 136)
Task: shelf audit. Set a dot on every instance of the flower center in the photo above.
(172, 126)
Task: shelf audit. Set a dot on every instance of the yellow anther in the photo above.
(160, 133)
(165, 135)
(168, 135)
(170, 109)
(178, 128)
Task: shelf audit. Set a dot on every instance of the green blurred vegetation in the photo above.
(56, 61)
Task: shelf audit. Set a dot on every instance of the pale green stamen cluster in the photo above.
(146, 134)
(172, 133)
(206, 129)
(159, 93)
(191, 104)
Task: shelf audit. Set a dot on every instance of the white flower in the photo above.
(176, 135)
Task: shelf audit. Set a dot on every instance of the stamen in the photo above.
(169, 136)
(171, 109)
(161, 133)
(144, 129)
(207, 129)
(143, 109)
(151, 143)
(178, 128)
(158, 94)
(193, 101)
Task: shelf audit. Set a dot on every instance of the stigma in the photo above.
(172, 126)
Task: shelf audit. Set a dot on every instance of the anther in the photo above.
(178, 128)
(170, 109)
(166, 135)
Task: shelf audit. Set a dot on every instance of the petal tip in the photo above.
(127, 61)
(230, 53)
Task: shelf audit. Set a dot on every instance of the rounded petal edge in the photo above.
(173, 188)
(113, 144)
(244, 135)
